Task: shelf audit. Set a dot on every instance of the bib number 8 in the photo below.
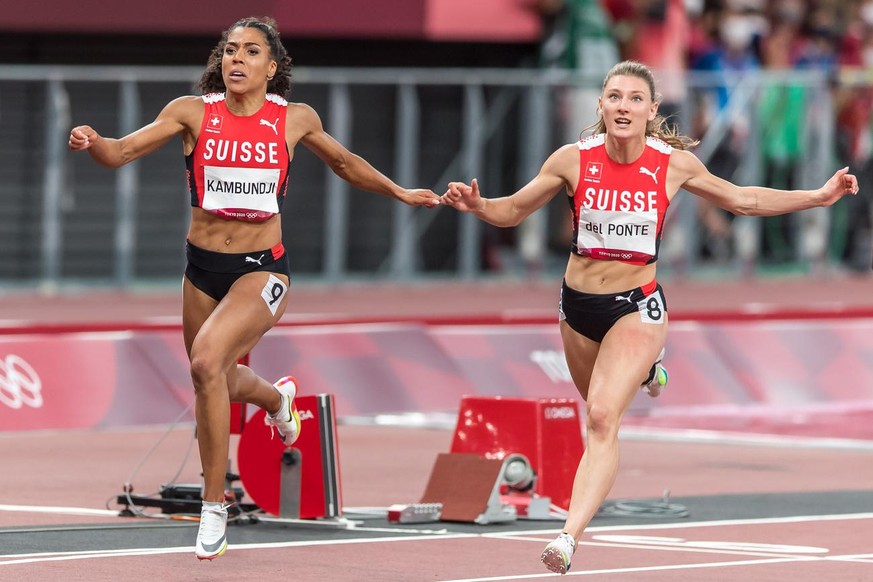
(652, 308)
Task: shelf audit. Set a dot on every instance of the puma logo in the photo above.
(623, 298)
(650, 173)
(258, 260)
(271, 125)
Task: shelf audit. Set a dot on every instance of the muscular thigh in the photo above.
(626, 355)
(581, 353)
(234, 325)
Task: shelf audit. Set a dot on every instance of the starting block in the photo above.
(297, 482)
(467, 488)
(547, 431)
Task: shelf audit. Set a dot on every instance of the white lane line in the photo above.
(639, 569)
(58, 510)
(681, 435)
(11, 559)
(529, 535)
(859, 558)
(694, 524)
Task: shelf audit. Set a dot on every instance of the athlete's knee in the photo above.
(601, 421)
(206, 369)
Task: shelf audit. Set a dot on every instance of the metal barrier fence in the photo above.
(423, 128)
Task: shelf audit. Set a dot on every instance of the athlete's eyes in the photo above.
(230, 50)
(617, 97)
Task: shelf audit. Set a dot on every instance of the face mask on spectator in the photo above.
(737, 32)
(694, 7)
(867, 13)
(790, 12)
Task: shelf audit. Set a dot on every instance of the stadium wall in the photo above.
(723, 375)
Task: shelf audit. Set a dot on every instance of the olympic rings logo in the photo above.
(19, 383)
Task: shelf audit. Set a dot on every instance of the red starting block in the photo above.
(547, 431)
(301, 481)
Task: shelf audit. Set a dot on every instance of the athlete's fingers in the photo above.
(455, 188)
(851, 183)
(847, 182)
(79, 139)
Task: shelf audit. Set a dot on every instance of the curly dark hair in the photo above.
(212, 82)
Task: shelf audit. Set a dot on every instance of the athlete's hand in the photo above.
(421, 197)
(463, 197)
(82, 137)
(839, 185)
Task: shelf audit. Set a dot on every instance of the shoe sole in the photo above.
(554, 561)
(296, 417)
(212, 556)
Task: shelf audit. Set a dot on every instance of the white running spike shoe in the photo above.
(212, 535)
(286, 420)
(557, 554)
(657, 380)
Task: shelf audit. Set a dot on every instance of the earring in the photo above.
(269, 78)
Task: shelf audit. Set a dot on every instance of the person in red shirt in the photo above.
(613, 316)
(238, 139)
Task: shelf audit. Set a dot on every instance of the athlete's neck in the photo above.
(244, 105)
(624, 150)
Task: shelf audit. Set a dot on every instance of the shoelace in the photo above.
(569, 543)
(270, 417)
(213, 526)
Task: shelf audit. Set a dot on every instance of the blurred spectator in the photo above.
(786, 119)
(578, 37)
(661, 40)
(703, 28)
(854, 104)
(734, 30)
(780, 119)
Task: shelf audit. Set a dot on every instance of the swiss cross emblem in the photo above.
(593, 171)
(214, 123)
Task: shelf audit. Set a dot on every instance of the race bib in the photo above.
(240, 189)
(632, 232)
(652, 308)
(273, 292)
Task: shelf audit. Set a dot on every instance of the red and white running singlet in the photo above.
(239, 167)
(618, 209)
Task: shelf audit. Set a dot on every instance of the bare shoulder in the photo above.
(684, 166)
(563, 158)
(564, 164)
(187, 110)
(186, 103)
(685, 161)
(303, 116)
